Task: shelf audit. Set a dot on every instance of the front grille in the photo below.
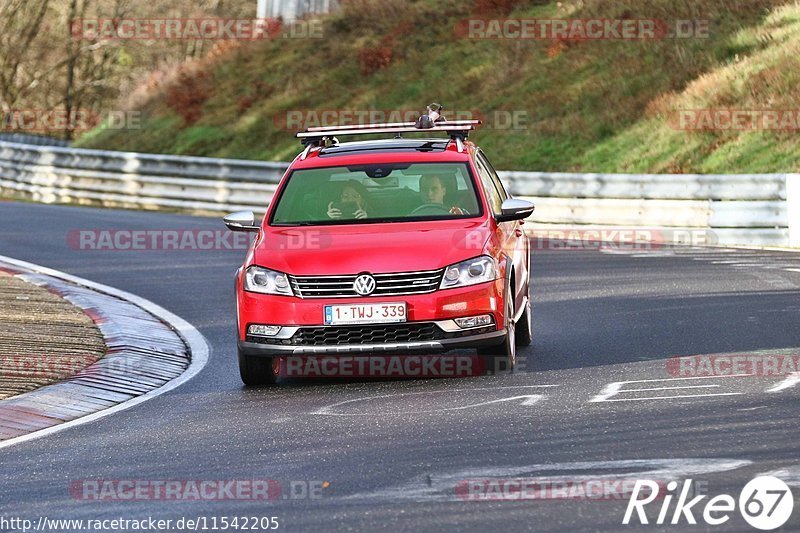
(332, 336)
(377, 334)
(385, 284)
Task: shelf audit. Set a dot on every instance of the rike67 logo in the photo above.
(765, 503)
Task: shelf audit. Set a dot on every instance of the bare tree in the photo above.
(20, 23)
(44, 65)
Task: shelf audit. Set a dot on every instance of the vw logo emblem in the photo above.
(364, 285)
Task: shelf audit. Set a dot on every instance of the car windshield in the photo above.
(391, 192)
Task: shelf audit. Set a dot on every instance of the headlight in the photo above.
(469, 272)
(266, 281)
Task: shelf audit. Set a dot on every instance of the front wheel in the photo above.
(257, 370)
(523, 327)
(503, 356)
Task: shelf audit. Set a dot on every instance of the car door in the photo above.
(515, 241)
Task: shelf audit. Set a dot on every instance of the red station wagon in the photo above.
(389, 246)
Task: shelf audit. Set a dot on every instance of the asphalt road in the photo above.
(394, 453)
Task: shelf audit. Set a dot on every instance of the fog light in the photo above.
(262, 330)
(474, 321)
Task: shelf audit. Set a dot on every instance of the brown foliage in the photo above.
(187, 94)
(374, 58)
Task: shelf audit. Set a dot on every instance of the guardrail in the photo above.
(38, 140)
(133, 180)
(752, 209)
(749, 209)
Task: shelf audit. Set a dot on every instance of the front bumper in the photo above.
(463, 339)
(289, 311)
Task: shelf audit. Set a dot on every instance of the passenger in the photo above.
(352, 202)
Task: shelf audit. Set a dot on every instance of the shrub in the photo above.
(187, 94)
(373, 58)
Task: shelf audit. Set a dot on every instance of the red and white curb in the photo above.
(150, 351)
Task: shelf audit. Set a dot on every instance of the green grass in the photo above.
(591, 106)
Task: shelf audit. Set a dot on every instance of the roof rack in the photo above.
(458, 127)
(457, 130)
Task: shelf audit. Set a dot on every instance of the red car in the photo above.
(388, 246)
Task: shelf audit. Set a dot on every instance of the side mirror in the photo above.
(514, 209)
(242, 221)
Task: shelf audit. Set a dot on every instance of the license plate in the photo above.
(365, 313)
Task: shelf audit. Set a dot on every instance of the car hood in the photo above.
(384, 247)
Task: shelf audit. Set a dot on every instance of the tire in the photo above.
(523, 327)
(256, 370)
(502, 356)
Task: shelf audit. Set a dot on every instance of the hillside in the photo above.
(582, 105)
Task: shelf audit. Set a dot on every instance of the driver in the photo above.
(433, 190)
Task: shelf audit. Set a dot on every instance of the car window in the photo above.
(370, 193)
(495, 178)
(492, 195)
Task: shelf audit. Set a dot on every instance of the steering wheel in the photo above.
(431, 209)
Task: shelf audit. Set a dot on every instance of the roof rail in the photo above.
(361, 126)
